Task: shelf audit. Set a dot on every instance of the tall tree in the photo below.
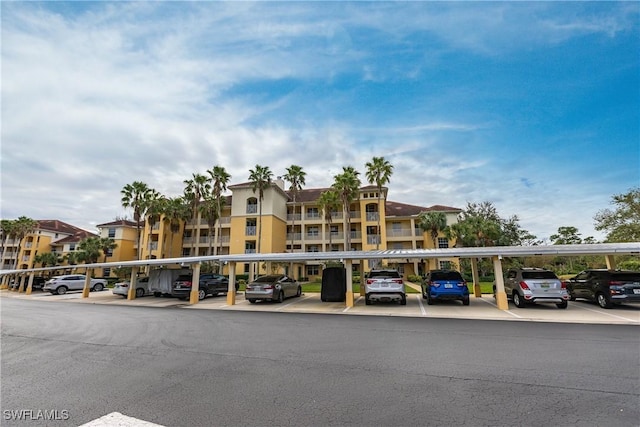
(622, 223)
(379, 172)
(329, 202)
(566, 236)
(23, 226)
(260, 179)
(209, 211)
(296, 178)
(196, 189)
(155, 206)
(432, 222)
(136, 196)
(478, 225)
(347, 185)
(176, 211)
(46, 259)
(89, 249)
(220, 178)
(107, 244)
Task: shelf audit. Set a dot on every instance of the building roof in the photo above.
(75, 238)
(119, 222)
(58, 226)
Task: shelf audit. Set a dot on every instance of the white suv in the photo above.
(71, 282)
(384, 285)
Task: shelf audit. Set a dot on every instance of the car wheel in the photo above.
(367, 301)
(603, 301)
(518, 300)
(98, 287)
(563, 304)
(61, 290)
(252, 301)
(430, 300)
(299, 291)
(424, 296)
(157, 294)
(403, 300)
(139, 292)
(572, 297)
(280, 297)
(201, 294)
(465, 300)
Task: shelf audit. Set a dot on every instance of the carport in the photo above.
(495, 253)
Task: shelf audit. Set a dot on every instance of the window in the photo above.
(72, 246)
(106, 272)
(313, 231)
(443, 242)
(112, 233)
(252, 205)
(313, 270)
(246, 268)
(313, 248)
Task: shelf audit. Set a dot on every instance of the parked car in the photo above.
(534, 285)
(274, 287)
(384, 285)
(444, 285)
(606, 287)
(142, 287)
(211, 284)
(38, 283)
(72, 282)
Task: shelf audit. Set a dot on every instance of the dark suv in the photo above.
(444, 285)
(210, 284)
(606, 287)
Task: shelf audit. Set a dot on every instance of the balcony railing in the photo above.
(356, 234)
(402, 232)
(225, 220)
(251, 209)
(28, 245)
(336, 215)
(249, 251)
(296, 217)
(372, 216)
(335, 235)
(312, 215)
(373, 240)
(153, 246)
(354, 214)
(295, 236)
(250, 231)
(312, 236)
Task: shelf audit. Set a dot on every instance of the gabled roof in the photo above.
(57, 226)
(119, 222)
(75, 238)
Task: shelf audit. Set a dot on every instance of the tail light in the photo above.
(369, 281)
(124, 285)
(523, 285)
(563, 285)
(434, 284)
(268, 287)
(186, 284)
(462, 284)
(615, 283)
(398, 281)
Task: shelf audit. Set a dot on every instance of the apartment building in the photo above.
(49, 236)
(300, 227)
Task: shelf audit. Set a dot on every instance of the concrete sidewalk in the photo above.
(483, 308)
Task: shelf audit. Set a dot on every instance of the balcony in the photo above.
(372, 216)
(251, 209)
(250, 230)
(354, 214)
(249, 251)
(373, 240)
(294, 217)
(312, 215)
(294, 236)
(400, 232)
(356, 235)
(336, 215)
(153, 246)
(334, 235)
(225, 220)
(312, 236)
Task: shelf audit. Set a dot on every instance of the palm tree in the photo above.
(347, 185)
(47, 259)
(433, 222)
(176, 211)
(260, 179)
(72, 258)
(295, 175)
(107, 244)
(90, 249)
(196, 189)
(379, 172)
(155, 206)
(23, 226)
(220, 179)
(136, 196)
(329, 202)
(209, 211)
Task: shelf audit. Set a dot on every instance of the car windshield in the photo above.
(446, 275)
(267, 279)
(183, 278)
(539, 275)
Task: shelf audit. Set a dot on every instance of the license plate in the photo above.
(544, 285)
(385, 285)
(636, 291)
(448, 285)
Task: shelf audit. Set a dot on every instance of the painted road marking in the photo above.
(120, 420)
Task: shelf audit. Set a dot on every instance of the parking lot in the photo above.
(483, 308)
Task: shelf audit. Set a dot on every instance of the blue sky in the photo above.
(534, 107)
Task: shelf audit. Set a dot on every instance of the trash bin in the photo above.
(334, 284)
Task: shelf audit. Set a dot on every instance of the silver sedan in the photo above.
(274, 287)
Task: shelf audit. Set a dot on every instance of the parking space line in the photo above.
(354, 304)
(605, 313)
(506, 311)
(422, 310)
(295, 301)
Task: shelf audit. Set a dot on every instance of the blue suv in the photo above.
(444, 285)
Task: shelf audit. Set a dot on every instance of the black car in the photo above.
(210, 285)
(606, 287)
(38, 283)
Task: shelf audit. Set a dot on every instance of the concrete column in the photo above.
(195, 284)
(349, 295)
(501, 296)
(476, 278)
(131, 293)
(87, 283)
(23, 279)
(611, 262)
(231, 294)
(30, 284)
(362, 279)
